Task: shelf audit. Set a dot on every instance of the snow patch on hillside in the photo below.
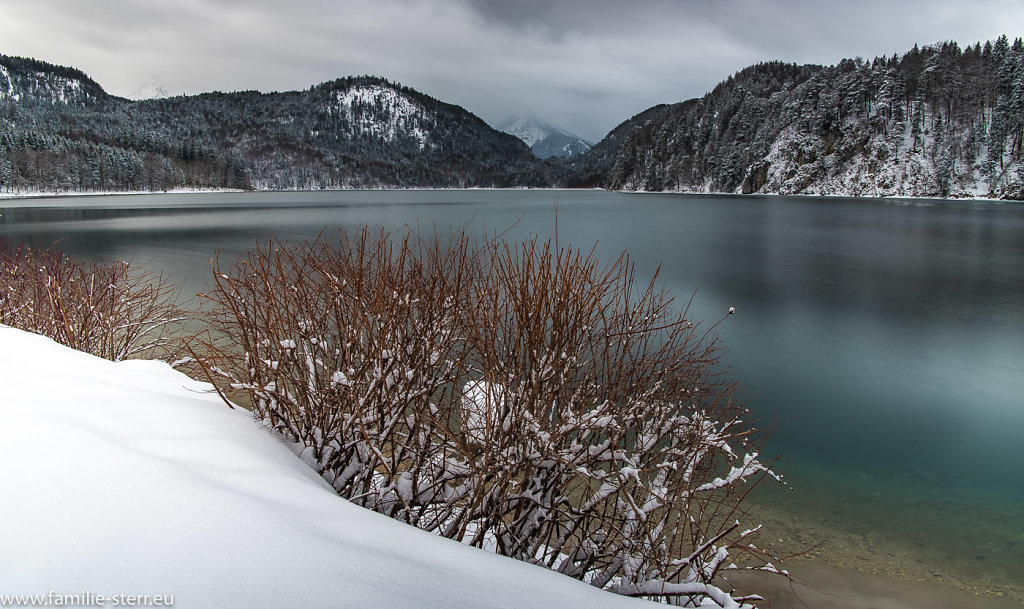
(42, 86)
(6, 86)
(382, 112)
(873, 165)
(67, 90)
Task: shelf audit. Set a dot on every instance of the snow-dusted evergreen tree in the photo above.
(943, 157)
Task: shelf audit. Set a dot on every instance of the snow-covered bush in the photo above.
(522, 398)
(347, 349)
(111, 310)
(616, 451)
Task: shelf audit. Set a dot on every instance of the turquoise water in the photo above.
(881, 341)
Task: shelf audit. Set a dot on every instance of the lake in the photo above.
(881, 340)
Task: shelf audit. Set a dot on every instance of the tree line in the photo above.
(937, 121)
(59, 131)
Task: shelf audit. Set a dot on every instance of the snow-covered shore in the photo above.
(23, 196)
(131, 479)
(45, 194)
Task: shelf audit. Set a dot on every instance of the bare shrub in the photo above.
(613, 448)
(346, 348)
(519, 397)
(112, 310)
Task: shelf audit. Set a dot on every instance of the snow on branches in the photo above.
(112, 310)
(519, 397)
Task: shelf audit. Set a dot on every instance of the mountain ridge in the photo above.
(935, 121)
(353, 132)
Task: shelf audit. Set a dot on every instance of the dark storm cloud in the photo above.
(587, 64)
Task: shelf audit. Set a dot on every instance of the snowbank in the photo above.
(129, 479)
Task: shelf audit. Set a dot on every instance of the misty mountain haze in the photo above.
(543, 138)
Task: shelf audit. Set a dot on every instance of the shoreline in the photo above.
(804, 195)
(754, 195)
(16, 196)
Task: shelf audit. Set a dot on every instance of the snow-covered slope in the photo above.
(27, 78)
(382, 112)
(543, 138)
(353, 132)
(131, 479)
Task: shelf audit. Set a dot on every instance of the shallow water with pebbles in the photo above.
(935, 539)
(832, 587)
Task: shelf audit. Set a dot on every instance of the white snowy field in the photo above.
(131, 479)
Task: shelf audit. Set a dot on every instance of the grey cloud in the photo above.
(517, 14)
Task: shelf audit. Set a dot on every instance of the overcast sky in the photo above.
(586, 65)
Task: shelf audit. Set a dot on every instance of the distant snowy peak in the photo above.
(527, 127)
(543, 138)
(150, 90)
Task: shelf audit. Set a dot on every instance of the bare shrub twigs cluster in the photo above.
(346, 349)
(522, 397)
(111, 310)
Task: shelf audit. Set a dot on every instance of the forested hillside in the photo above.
(59, 131)
(937, 121)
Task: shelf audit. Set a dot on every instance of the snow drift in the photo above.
(130, 478)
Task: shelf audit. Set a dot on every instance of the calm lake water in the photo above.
(881, 340)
